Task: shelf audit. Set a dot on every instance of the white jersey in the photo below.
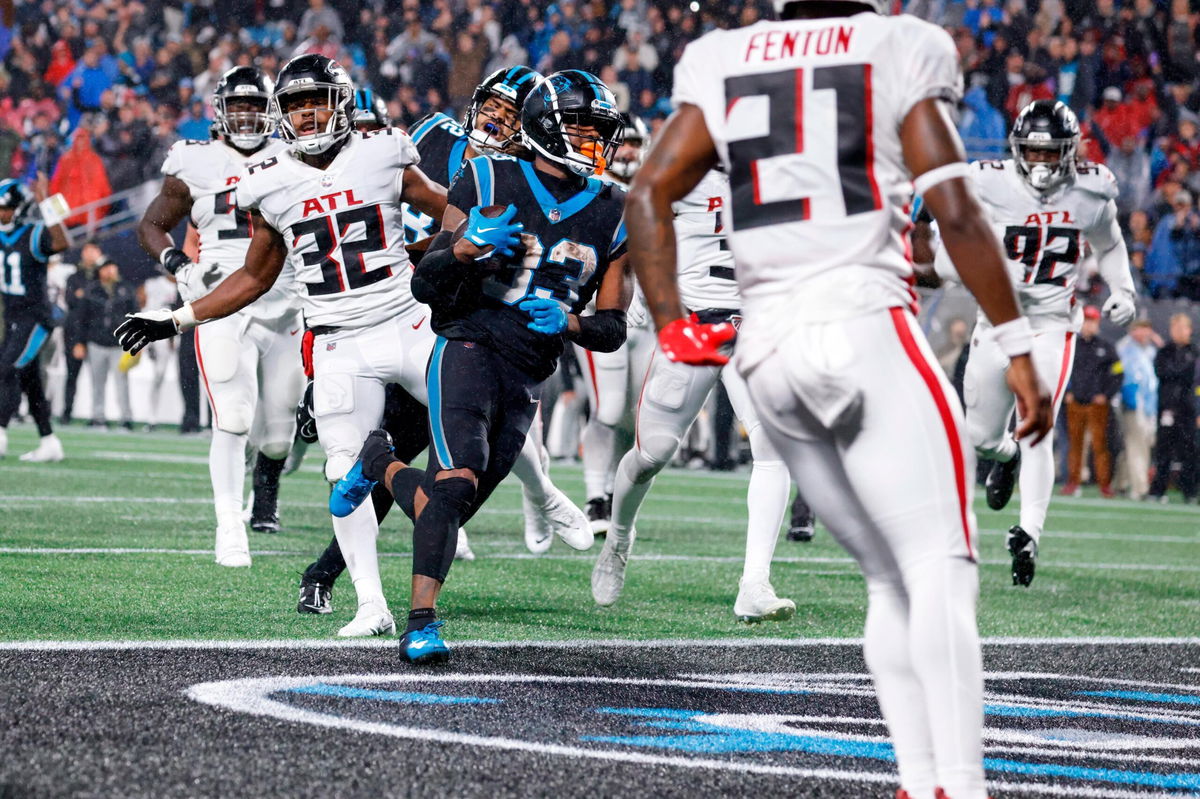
(211, 170)
(1045, 237)
(343, 227)
(160, 292)
(706, 276)
(806, 117)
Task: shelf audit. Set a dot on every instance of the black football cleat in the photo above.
(314, 597)
(599, 513)
(801, 526)
(1024, 551)
(1001, 480)
(264, 513)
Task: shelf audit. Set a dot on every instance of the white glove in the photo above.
(1120, 308)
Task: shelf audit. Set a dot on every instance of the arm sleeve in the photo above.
(39, 243)
(603, 331)
(619, 243)
(173, 163)
(928, 65)
(440, 279)
(1111, 255)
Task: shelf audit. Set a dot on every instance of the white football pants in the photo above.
(872, 433)
(673, 397)
(990, 406)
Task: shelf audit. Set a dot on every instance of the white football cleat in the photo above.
(3, 442)
(563, 518)
(462, 551)
(608, 575)
(538, 536)
(50, 450)
(757, 602)
(233, 546)
(371, 619)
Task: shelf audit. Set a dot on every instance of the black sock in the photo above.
(381, 500)
(404, 489)
(419, 618)
(328, 567)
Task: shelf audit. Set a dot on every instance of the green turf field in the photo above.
(115, 543)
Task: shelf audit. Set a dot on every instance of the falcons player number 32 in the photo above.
(330, 236)
(784, 92)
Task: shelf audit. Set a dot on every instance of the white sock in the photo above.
(633, 480)
(766, 503)
(227, 468)
(530, 471)
(901, 698)
(946, 657)
(1037, 484)
(1006, 451)
(599, 449)
(356, 536)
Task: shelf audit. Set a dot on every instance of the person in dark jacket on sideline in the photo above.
(90, 258)
(1175, 366)
(106, 301)
(1095, 380)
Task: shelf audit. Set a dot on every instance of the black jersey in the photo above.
(573, 230)
(442, 143)
(23, 255)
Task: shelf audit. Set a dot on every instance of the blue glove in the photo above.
(496, 232)
(548, 315)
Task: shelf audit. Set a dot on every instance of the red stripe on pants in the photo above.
(900, 320)
(204, 376)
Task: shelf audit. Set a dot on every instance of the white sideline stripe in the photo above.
(581, 643)
(581, 556)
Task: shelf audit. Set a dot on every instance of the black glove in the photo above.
(376, 455)
(139, 329)
(306, 421)
(173, 259)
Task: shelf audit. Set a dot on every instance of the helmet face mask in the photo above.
(312, 104)
(370, 112)
(240, 108)
(493, 120)
(571, 119)
(634, 147)
(1044, 141)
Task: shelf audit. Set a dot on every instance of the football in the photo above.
(490, 211)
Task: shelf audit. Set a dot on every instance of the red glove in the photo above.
(688, 341)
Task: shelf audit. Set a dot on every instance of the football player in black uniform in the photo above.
(506, 297)
(25, 249)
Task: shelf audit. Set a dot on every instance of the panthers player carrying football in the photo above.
(25, 250)
(673, 398)
(330, 203)
(1045, 207)
(505, 299)
(826, 122)
(249, 361)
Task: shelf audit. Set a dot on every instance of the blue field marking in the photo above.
(685, 733)
(405, 697)
(1018, 711)
(1144, 696)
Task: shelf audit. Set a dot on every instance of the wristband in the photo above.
(1014, 337)
(184, 318)
(924, 182)
(54, 210)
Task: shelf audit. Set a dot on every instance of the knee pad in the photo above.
(337, 465)
(275, 450)
(654, 452)
(234, 418)
(221, 358)
(458, 492)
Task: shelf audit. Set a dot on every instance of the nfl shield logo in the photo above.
(555, 215)
(326, 181)
(331, 347)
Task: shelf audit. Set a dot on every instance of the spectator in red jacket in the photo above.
(1116, 118)
(81, 177)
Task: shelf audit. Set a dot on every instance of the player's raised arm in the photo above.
(934, 155)
(52, 209)
(171, 206)
(264, 262)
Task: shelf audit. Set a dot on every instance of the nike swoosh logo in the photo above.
(294, 332)
(418, 645)
(418, 324)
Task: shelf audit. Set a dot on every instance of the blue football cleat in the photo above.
(425, 645)
(350, 492)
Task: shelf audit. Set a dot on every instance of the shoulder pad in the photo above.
(1096, 179)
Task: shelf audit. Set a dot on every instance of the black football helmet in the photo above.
(14, 195)
(572, 98)
(304, 78)
(633, 149)
(510, 85)
(244, 129)
(1048, 128)
(370, 112)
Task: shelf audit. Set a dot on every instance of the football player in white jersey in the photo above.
(249, 361)
(330, 204)
(1045, 207)
(160, 292)
(614, 379)
(826, 122)
(674, 394)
